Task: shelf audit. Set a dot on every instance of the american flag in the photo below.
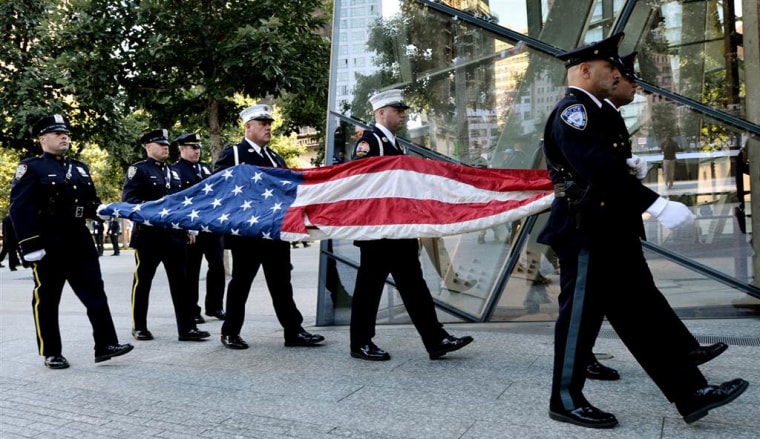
(373, 198)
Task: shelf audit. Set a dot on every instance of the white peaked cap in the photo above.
(388, 98)
(257, 112)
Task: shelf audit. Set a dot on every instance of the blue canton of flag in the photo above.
(242, 200)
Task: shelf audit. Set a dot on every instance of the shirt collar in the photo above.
(254, 145)
(593, 98)
(387, 133)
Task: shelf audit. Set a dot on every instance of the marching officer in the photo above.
(148, 180)
(397, 257)
(51, 198)
(191, 171)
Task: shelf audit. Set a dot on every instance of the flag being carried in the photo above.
(383, 197)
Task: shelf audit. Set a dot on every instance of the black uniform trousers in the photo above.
(212, 247)
(629, 304)
(74, 260)
(399, 258)
(147, 259)
(114, 242)
(248, 254)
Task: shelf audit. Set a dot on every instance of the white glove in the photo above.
(35, 256)
(638, 166)
(671, 214)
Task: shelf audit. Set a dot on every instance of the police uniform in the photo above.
(206, 244)
(149, 180)
(594, 229)
(248, 254)
(51, 198)
(114, 230)
(397, 257)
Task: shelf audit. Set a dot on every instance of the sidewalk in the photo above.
(498, 387)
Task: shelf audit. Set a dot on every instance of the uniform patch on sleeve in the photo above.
(362, 149)
(20, 171)
(575, 116)
(131, 172)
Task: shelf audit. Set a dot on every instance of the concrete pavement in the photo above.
(498, 387)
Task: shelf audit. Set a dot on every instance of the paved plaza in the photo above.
(498, 387)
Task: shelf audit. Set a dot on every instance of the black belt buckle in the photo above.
(79, 212)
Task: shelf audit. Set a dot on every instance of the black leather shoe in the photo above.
(194, 334)
(699, 404)
(108, 352)
(449, 344)
(598, 371)
(199, 319)
(703, 354)
(142, 334)
(56, 362)
(587, 416)
(234, 342)
(303, 338)
(370, 352)
(219, 314)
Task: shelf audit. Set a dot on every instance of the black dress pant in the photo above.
(147, 258)
(74, 260)
(633, 306)
(115, 243)
(248, 254)
(212, 247)
(399, 258)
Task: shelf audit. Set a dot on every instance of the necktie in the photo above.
(271, 159)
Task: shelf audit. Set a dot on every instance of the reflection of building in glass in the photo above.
(356, 17)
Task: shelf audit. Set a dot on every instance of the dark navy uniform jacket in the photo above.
(246, 155)
(150, 180)
(374, 143)
(587, 140)
(191, 173)
(51, 198)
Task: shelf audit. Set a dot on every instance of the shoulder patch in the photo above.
(575, 116)
(362, 149)
(131, 172)
(20, 171)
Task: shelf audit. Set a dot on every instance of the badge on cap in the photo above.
(362, 149)
(575, 116)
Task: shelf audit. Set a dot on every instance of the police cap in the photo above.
(606, 49)
(388, 98)
(189, 139)
(257, 112)
(160, 136)
(51, 124)
(628, 70)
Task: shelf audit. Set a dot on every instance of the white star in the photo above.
(246, 205)
(175, 226)
(116, 212)
(208, 188)
(217, 202)
(194, 214)
(237, 190)
(147, 223)
(235, 232)
(136, 208)
(266, 235)
(276, 207)
(254, 219)
(205, 229)
(223, 218)
(227, 174)
(267, 193)
(256, 177)
(188, 201)
(286, 182)
(164, 212)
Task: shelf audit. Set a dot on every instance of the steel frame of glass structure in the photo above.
(482, 78)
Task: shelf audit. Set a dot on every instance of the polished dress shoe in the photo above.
(142, 334)
(219, 314)
(586, 416)
(703, 354)
(114, 350)
(194, 334)
(598, 371)
(449, 344)
(199, 319)
(234, 342)
(56, 362)
(303, 338)
(699, 403)
(370, 352)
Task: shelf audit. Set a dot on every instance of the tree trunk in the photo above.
(214, 129)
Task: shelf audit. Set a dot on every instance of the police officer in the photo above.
(148, 180)
(248, 253)
(594, 229)
(397, 257)
(51, 198)
(114, 230)
(191, 171)
(97, 233)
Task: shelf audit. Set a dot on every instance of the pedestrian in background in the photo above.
(10, 245)
(97, 234)
(51, 198)
(114, 230)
